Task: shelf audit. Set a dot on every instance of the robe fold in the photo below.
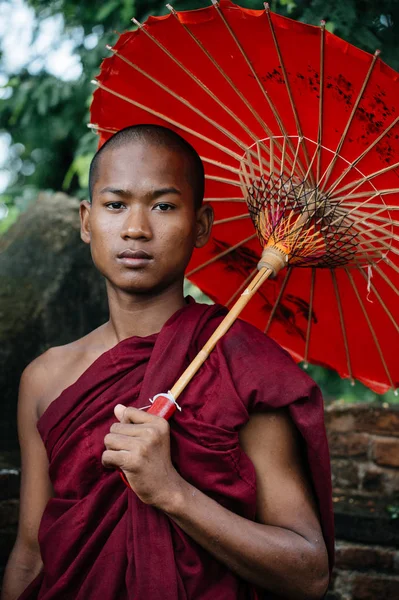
(97, 539)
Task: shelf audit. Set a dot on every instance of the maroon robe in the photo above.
(97, 539)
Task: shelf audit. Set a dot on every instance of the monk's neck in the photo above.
(141, 315)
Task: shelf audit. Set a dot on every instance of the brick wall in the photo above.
(364, 445)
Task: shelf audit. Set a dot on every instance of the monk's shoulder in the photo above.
(58, 368)
(255, 357)
(251, 342)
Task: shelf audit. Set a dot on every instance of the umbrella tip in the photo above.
(306, 365)
(322, 23)
(377, 52)
(94, 82)
(172, 10)
(215, 2)
(267, 6)
(352, 382)
(395, 392)
(91, 126)
(136, 22)
(108, 47)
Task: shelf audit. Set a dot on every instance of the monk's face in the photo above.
(142, 225)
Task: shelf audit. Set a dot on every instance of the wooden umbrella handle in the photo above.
(263, 274)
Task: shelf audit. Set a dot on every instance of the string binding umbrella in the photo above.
(301, 129)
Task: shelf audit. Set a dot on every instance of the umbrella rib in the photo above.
(371, 195)
(223, 180)
(376, 217)
(187, 71)
(221, 165)
(365, 178)
(361, 156)
(229, 81)
(385, 277)
(330, 167)
(231, 219)
(384, 306)
(221, 255)
(256, 77)
(179, 98)
(387, 207)
(168, 120)
(289, 92)
(240, 289)
(321, 99)
(342, 323)
(371, 328)
(280, 294)
(355, 206)
(97, 128)
(310, 312)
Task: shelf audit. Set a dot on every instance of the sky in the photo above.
(19, 51)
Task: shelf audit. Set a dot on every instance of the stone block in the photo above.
(345, 474)
(385, 451)
(375, 587)
(339, 422)
(365, 418)
(348, 444)
(365, 520)
(363, 557)
(373, 480)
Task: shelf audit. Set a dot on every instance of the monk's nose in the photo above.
(136, 225)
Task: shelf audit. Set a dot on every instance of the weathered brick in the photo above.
(363, 417)
(363, 557)
(9, 512)
(348, 444)
(338, 421)
(391, 483)
(385, 451)
(341, 586)
(344, 474)
(373, 587)
(372, 479)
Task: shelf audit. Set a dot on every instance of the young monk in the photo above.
(232, 498)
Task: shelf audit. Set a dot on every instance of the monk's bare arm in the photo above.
(25, 561)
(284, 552)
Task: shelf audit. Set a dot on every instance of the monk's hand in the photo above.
(139, 445)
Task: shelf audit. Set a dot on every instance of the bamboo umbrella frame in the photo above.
(300, 219)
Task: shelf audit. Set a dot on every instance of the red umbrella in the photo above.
(302, 128)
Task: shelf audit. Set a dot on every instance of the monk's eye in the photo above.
(164, 207)
(114, 205)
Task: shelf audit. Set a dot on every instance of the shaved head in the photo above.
(155, 135)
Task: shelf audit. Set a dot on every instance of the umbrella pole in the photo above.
(264, 273)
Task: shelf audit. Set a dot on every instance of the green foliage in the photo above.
(46, 116)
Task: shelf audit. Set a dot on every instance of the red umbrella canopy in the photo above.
(288, 119)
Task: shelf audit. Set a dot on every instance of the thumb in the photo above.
(118, 411)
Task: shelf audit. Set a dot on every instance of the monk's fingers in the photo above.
(151, 431)
(134, 415)
(117, 441)
(129, 460)
(117, 459)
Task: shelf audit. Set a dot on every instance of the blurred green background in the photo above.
(51, 49)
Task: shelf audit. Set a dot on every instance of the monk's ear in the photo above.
(204, 225)
(84, 212)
